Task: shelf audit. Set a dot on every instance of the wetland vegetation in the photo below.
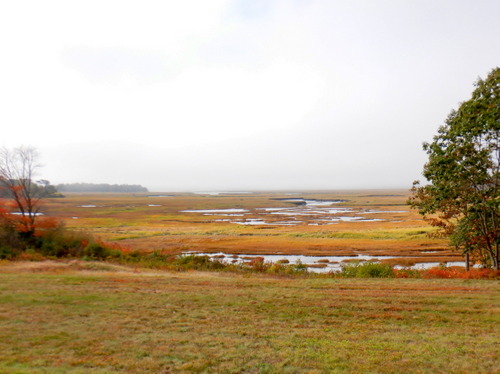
(348, 223)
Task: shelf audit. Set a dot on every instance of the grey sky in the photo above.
(225, 95)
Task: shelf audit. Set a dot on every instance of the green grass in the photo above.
(396, 234)
(107, 322)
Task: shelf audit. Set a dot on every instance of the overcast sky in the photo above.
(238, 94)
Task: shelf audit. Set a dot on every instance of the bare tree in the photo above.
(18, 167)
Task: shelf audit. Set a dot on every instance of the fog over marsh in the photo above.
(235, 94)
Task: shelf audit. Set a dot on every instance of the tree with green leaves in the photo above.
(462, 195)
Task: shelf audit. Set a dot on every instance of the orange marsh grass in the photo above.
(132, 222)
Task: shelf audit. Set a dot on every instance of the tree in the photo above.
(21, 195)
(462, 196)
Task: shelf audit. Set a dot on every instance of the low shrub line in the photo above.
(155, 260)
(55, 242)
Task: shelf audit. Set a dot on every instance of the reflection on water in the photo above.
(257, 221)
(214, 211)
(216, 193)
(26, 214)
(318, 264)
(224, 215)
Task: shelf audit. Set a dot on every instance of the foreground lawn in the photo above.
(73, 321)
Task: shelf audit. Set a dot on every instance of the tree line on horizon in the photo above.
(100, 187)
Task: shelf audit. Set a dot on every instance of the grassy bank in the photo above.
(112, 319)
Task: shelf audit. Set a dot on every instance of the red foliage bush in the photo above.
(114, 246)
(45, 223)
(459, 273)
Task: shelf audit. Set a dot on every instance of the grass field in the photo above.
(82, 317)
(367, 222)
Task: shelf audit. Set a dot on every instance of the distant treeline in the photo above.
(37, 189)
(100, 187)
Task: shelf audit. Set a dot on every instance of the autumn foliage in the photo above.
(24, 229)
(457, 273)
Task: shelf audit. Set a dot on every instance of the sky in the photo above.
(246, 95)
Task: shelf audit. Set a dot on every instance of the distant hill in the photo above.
(100, 187)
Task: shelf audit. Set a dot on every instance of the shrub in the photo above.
(407, 272)
(7, 252)
(31, 255)
(59, 242)
(99, 251)
(194, 262)
(94, 251)
(10, 240)
(367, 270)
(53, 248)
(450, 272)
(299, 267)
(257, 264)
(289, 269)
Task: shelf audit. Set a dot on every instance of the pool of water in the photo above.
(302, 211)
(257, 221)
(26, 214)
(328, 263)
(214, 211)
(216, 193)
(318, 264)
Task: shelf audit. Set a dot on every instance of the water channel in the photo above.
(316, 264)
